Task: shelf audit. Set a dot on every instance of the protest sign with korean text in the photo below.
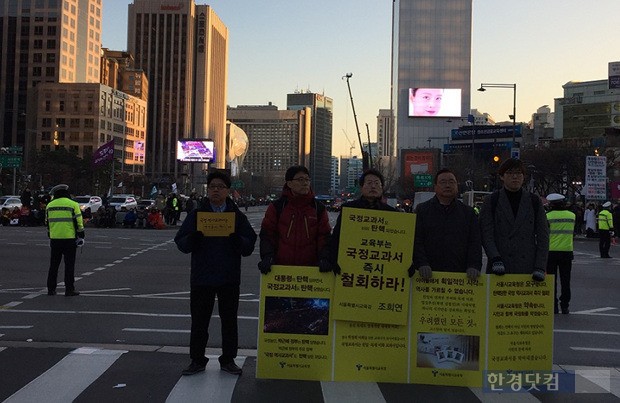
(448, 325)
(376, 249)
(294, 327)
(215, 224)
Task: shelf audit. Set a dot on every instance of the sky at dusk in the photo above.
(279, 46)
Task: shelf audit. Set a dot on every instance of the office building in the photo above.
(319, 162)
(44, 42)
(432, 49)
(335, 177)
(118, 72)
(277, 140)
(351, 169)
(81, 117)
(183, 49)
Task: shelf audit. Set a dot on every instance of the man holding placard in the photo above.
(217, 234)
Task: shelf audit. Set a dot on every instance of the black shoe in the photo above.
(51, 292)
(71, 293)
(231, 368)
(193, 368)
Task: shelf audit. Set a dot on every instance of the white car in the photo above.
(120, 201)
(10, 202)
(92, 202)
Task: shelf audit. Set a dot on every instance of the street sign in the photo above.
(515, 153)
(10, 160)
(423, 180)
(238, 184)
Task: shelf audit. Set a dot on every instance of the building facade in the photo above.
(351, 169)
(319, 161)
(44, 42)
(385, 137)
(118, 72)
(432, 49)
(183, 49)
(277, 139)
(81, 117)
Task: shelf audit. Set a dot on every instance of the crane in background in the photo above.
(352, 143)
(365, 159)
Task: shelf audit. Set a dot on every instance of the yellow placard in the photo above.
(215, 224)
(520, 336)
(370, 352)
(376, 249)
(448, 325)
(295, 325)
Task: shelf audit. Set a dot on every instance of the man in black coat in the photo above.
(215, 271)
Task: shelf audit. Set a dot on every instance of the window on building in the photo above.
(74, 122)
(37, 57)
(50, 71)
(50, 58)
(51, 43)
(38, 30)
(60, 122)
(48, 106)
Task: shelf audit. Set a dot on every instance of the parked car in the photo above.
(119, 201)
(10, 202)
(92, 202)
(146, 203)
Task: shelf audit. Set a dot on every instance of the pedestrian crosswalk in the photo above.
(88, 374)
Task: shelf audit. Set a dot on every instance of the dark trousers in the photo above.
(560, 264)
(60, 248)
(202, 300)
(604, 242)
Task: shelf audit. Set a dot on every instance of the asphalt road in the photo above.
(135, 296)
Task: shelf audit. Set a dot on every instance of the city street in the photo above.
(126, 335)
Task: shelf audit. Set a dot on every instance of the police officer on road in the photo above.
(561, 226)
(65, 229)
(605, 230)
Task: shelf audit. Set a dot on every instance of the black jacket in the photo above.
(447, 239)
(216, 261)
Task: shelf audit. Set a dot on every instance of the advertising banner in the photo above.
(419, 162)
(294, 324)
(376, 249)
(448, 324)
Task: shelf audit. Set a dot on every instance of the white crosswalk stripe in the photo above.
(68, 378)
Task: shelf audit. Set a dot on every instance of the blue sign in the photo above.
(466, 147)
(484, 132)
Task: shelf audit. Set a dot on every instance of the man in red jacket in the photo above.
(296, 227)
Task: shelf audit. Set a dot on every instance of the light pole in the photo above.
(484, 86)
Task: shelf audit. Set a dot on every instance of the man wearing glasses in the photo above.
(515, 233)
(447, 235)
(215, 271)
(296, 227)
(371, 183)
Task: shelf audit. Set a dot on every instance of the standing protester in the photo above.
(215, 272)
(589, 218)
(447, 234)
(605, 230)
(295, 229)
(371, 182)
(515, 233)
(65, 229)
(561, 228)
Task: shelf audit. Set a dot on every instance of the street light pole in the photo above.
(484, 86)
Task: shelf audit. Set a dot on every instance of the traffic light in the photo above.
(496, 158)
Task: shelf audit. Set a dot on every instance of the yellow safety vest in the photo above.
(561, 228)
(63, 218)
(605, 220)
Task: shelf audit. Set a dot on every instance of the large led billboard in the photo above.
(434, 102)
(195, 150)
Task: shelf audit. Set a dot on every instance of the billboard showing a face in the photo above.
(434, 102)
(195, 150)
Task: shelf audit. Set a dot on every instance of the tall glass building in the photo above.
(432, 49)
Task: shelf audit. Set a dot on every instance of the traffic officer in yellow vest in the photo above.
(605, 229)
(65, 229)
(561, 226)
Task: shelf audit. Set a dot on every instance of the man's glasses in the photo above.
(447, 182)
(373, 183)
(217, 187)
(301, 180)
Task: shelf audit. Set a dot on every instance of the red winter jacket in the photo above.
(298, 236)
